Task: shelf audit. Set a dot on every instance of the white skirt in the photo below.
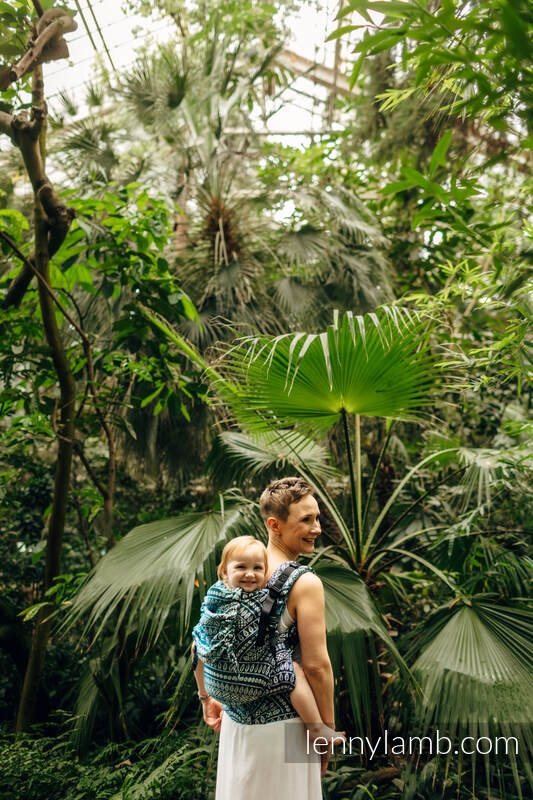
(252, 762)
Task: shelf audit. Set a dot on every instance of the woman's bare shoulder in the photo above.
(307, 592)
(307, 585)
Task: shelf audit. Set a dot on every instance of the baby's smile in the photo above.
(248, 584)
(247, 571)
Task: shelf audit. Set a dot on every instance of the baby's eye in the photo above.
(259, 568)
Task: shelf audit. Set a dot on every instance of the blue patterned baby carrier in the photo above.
(244, 656)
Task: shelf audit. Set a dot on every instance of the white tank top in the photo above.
(285, 621)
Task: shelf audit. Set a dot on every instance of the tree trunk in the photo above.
(41, 632)
(181, 221)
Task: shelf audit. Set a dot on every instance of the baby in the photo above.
(244, 565)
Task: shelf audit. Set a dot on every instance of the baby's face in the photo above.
(246, 571)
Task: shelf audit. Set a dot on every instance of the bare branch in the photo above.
(31, 266)
(78, 449)
(48, 46)
(25, 133)
(18, 287)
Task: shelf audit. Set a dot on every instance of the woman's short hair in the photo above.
(278, 496)
(235, 546)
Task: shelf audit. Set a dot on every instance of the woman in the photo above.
(263, 747)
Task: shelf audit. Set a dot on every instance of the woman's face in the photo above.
(298, 532)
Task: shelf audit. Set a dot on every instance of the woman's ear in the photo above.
(273, 525)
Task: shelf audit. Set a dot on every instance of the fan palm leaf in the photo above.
(293, 297)
(352, 621)
(475, 672)
(237, 457)
(499, 569)
(487, 468)
(304, 247)
(154, 87)
(152, 568)
(351, 215)
(376, 365)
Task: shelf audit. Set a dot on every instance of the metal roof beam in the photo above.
(317, 73)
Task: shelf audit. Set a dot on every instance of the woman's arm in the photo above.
(307, 600)
(211, 708)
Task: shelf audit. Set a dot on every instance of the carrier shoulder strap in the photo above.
(274, 590)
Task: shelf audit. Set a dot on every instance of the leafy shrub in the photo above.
(170, 766)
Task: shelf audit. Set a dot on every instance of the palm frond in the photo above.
(237, 457)
(138, 89)
(86, 708)
(89, 148)
(94, 95)
(489, 566)
(294, 297)
(151, 569)
(489, 468)
(304, 247)
(352, 621)
(377, 364)
(88, 137)
(68, 103)
(357, 278)
(158, 777)
(351, 216)
(476, 674)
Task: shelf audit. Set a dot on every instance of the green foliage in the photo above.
(17, 19)
(423, 192)
(168, 766)
(110, 267)
(237, 458)
(14, 20)
(477, 54)
(25, 497)
(475, 672)
(353, 621)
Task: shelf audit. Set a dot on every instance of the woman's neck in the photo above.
(277, 555)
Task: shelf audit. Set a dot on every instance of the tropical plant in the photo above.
(378, 364)
(272, 238)
(56, 241)
(104, 591)
(381, 365)
(256, 252)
